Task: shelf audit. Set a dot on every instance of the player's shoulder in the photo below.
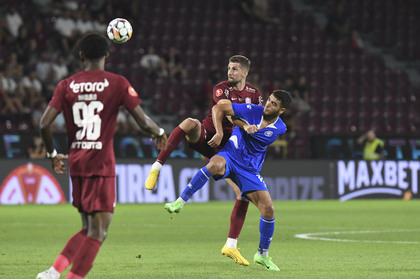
(221, 89)
(280, 125)
(251, 89)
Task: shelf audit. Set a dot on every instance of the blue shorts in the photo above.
(246, 180)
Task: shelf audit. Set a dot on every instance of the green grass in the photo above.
(187, 245)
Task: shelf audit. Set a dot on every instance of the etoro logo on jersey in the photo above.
(30, 184)
(87, 87)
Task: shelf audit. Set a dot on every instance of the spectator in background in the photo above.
(66, 27)
(373, 146)
(60, 68)
(13, 63)
(14, 21)
(151, 63)
(21, 45)
(122, 123)
(258, 10)
(12, 95)
(37, 114)
(31, 55)
(58, 124)
(43, 66)
(37, 149)
(172, 64)
(39, 33)
(83, 23)
(33, 89)
(126, 123)
(100, 24)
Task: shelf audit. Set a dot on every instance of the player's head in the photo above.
(93, 46)
(238, 69)
(277, 103)
(242, 60)
(371, 135)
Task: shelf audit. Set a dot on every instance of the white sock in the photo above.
(183, 202)
(263, 252)
(157, 166)
(231, 242)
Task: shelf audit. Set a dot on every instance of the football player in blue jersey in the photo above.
(241, 160)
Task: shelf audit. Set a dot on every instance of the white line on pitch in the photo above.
(315, 236)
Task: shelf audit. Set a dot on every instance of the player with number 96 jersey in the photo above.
(90, 102)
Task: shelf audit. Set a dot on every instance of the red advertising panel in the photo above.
(30, 183)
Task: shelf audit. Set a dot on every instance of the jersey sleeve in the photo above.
(57, 100)
(219, 93)
(130, 98)
(245, 112)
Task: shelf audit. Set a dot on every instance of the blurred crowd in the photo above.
(38, 48)
(36, 54)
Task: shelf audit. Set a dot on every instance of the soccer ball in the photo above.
(119, 30)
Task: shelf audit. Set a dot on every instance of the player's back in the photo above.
(90, 102)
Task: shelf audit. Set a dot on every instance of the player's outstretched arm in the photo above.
(149, 126)
(222, 108)
(47, 119)
(250, 129)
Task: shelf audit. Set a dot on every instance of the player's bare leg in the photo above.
(237, 220)
(189, 128)
(262, 200)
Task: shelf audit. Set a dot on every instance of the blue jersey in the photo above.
(248, 150)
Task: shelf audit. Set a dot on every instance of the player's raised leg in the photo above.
(263, 201)
(237, 219)
(216, 166)
(196, 183)
(189, 128)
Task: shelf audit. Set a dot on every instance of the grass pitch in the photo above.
(362, 239)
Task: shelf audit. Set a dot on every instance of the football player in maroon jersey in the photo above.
(237, 90)
(90, 101)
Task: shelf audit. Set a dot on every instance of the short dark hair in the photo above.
(284, 97)
(242, 60)
(93, 46)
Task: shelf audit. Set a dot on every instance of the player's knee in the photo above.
(188, 124)
(216, 168)
(98, 233)
(267, 211)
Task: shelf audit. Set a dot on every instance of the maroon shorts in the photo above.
(203, 148)
(94, 193)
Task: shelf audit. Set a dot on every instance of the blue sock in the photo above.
(266, 234)
(196, 183)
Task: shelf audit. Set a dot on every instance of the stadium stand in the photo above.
(349, 91)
